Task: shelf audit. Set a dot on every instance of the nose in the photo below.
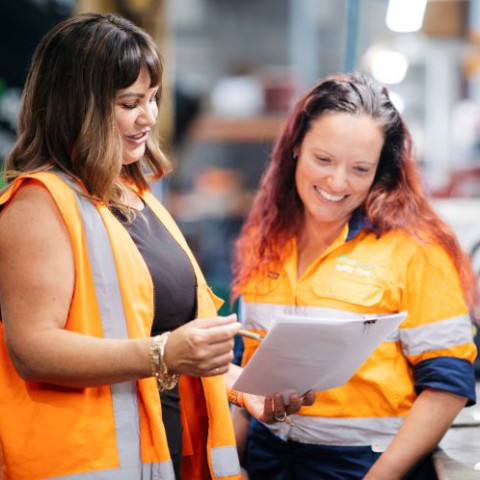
(148, 115)
(337, 180)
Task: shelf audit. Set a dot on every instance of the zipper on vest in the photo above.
(154, 306)
(196, 297)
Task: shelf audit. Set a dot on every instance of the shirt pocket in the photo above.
(363, 293)
(263, 286)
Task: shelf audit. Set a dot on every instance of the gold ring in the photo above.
(282, 418)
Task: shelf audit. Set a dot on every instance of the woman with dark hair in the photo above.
(91, 266)
(341, 227)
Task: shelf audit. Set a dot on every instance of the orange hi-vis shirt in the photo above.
(109, 432)
(365, 274)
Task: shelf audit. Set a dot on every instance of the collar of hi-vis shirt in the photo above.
(357, 223)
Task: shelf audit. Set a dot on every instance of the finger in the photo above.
(221, 361)
(278, 405)
(212, 368)
(221, 333)
(268, 409)
(214, 321)
(210, 350)
(220, 370)
(294, 405)
(308, 398)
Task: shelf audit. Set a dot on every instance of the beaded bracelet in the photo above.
(165, 379)
(236, 398)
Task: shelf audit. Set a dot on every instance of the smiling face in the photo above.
(336, 166)
(136, 112)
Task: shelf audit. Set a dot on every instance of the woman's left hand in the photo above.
(271, 409)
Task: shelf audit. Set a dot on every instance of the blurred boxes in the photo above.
(446, 18)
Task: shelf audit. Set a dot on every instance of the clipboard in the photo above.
(302, 353)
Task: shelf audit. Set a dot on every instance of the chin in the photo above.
(130, 160)
(132, 155)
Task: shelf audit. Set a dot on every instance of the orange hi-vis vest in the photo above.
(112, 432)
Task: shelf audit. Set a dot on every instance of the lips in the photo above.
(329, 196)
(139, 137)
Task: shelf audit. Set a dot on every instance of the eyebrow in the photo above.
(131, 94)
(136, 94)
(321, 151)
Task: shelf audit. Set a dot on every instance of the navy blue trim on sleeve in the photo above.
(450, 374)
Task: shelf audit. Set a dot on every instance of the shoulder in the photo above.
(395, 244)
(30, 214)
(418, 255)
(27, 198)
(409, 244)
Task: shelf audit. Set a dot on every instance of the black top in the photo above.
(174, 287)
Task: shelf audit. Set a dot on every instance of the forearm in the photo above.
(430, 417)
(75, 360)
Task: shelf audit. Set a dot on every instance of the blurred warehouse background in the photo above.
(233, 69)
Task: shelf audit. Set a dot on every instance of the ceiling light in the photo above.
(388, 66)
(405, 15)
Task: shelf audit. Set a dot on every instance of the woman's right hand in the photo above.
(202, 347)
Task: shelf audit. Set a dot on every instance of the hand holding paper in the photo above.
(303, 353)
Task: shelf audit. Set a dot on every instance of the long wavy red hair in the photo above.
(396, 199)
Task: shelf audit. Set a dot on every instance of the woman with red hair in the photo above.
(341, 227)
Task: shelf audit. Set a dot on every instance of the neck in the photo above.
(320, 234)
(130, 197)
(313, 240)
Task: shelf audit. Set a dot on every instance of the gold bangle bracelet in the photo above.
(165, 379)
(236, 398)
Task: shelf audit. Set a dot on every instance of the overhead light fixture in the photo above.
(387, 66)
(405, 15)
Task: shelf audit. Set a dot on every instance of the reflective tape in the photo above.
(260, 316)
(147, 471)
(225, 461)
(338, 431)
(114, 324)
(437, 335)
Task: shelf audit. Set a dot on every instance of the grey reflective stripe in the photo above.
(114, 324)
(225, 461)
(148, 471)
(437, 335)
(260, 316)
(338, 431)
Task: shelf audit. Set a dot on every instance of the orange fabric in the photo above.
(51, 423)
(458, 351)
(367, 275)
(43, 428)
(215, 406)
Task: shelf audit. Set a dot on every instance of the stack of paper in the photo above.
(303, 353)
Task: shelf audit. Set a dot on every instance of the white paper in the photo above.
(303, 353)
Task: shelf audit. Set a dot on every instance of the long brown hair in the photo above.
(396, 199)
(66, 118)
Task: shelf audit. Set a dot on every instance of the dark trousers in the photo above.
(270, 458)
